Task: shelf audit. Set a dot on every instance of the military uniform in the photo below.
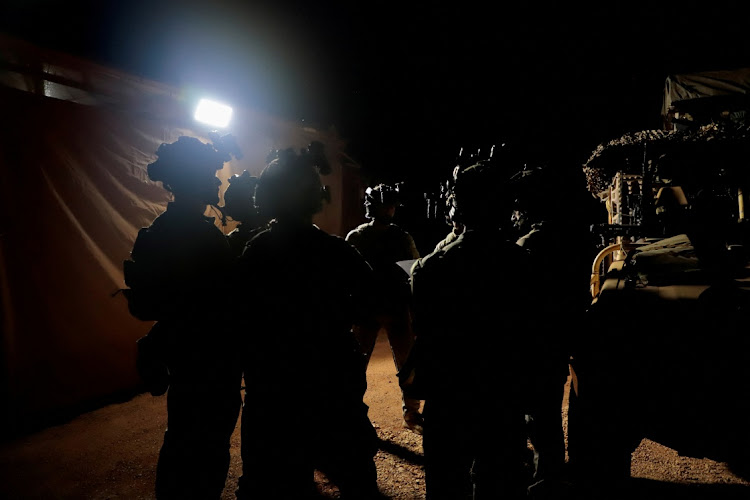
(177, 265)
(551, 351)
(450, 238)
(240, 235)
(474, 353)
(383, 246)
(302, 362)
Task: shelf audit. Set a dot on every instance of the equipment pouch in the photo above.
(144, 302)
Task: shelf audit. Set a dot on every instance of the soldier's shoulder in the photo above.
(364, 227)
(262, 235)
(331, 239)
(151, 236)
(396, 229)
(160, 222)
(341, 246)
(357, 230)
(258, 240)
(433, 260)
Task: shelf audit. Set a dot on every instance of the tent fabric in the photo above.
(688, 86)
(73, 194)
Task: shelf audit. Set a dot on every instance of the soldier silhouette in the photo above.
(300, 358)
(477, 351)
(239, 205)
(177, 264)
(383, 244)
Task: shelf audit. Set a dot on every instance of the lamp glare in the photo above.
(213, 113)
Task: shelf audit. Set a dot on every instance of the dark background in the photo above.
(408, 83)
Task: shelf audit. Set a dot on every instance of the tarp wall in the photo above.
(73, 194)
(719, 85)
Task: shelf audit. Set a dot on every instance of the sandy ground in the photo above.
(111, 453)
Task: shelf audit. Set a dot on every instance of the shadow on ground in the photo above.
(400, 451)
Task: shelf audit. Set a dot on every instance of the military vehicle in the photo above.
(665, 351)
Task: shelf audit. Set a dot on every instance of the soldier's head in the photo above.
(289, 187)
(187, 168)
(480, 197)
(381, 202)
(539, 192)
(239, 197)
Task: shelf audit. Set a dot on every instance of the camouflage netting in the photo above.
(719, 148)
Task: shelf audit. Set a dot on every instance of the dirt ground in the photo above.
(111, 453)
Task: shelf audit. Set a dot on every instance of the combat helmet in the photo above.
(189, 165)
(183, 160)
(480, 195)
(290, 183)
(239, 196)
(380, 197)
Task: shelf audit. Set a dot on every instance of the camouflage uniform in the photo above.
(177, 266)
(383, 246)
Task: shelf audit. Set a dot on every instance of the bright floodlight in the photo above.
(213, 113)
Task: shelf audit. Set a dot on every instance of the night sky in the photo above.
(408, 84)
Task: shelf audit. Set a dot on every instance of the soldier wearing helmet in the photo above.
(176, 264)
(300, 357)
(239, 206)
(538, 194)
(474, 354)
(456, 227)
(383, 244)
